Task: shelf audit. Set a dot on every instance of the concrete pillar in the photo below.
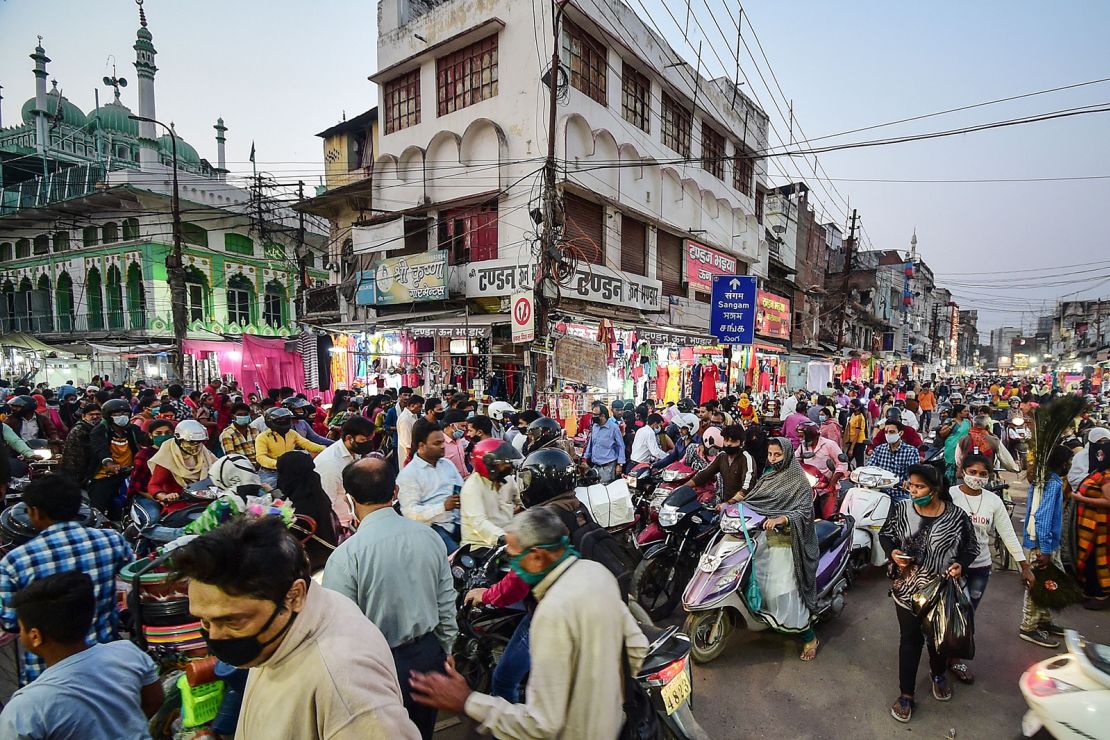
(652, 252)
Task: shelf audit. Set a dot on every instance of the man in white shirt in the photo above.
(790, 404)
(645, 445)
(429, 486)
(354, 443)
(408, 416)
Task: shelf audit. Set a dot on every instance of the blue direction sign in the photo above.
(732, 319)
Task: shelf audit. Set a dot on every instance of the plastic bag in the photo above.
(947, 618)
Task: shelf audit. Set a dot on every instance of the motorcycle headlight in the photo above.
(630, 480)
(1018, 422)
(668, 516)
(812, 479)
(1041, 684)
(669, 476)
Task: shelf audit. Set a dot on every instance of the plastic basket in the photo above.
(199, 704)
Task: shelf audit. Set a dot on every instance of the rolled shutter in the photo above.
(633, 246)
(585, 225)
(669, 266)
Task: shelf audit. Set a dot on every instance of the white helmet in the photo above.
(232, 471)
(498, 409)
(190, 430)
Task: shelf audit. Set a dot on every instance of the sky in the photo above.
(278, 72)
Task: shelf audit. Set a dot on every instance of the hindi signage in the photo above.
(582, 361)
(524, 317)
(732, 313)
(772, 316)
(594, 283)
(409, 279)
(703, 262)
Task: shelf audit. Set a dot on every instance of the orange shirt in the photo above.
(926, 400)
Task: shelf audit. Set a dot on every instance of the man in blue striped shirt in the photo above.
(605, 450)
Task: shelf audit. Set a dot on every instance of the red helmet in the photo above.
(490, 452)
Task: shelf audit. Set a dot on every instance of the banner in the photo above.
(582, 361)
(524, 318)
(702, 263)
(772, 315)
(408, 279)
(593, 283)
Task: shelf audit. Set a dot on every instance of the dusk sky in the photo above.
(279, 72)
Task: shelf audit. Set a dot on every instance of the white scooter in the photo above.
(868, 505)
(1069, 695)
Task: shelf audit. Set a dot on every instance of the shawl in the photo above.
(784, 490)
(185, 471)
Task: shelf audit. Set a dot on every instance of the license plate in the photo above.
(676, 692)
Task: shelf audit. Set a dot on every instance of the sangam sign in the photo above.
(594, 283)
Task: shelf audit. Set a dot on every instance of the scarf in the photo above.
(185, 471)
(785, 491)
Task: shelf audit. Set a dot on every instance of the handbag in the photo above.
(752, 595)
(640, 720)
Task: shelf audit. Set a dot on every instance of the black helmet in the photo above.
(686, 405)
(19, 403)
(542, 433)
(115, 406)
(546, 474)
(278, 419)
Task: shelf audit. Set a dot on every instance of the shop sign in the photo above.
(409, 279)
(733, 309)
(524, 318)
(702, 263)
(954, 335)
(450, 331)
(594, 283)
(582, 361)
(772, 316)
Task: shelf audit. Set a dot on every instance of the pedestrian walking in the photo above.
(1044, 516)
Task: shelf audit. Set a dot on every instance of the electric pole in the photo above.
(849, 250)
(302, 258)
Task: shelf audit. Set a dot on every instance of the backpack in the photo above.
(978, 441)
(594, 542)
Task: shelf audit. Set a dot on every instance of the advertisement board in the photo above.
(594, 283)
(408, 279)
(582, 361)
(702, 263)
(772, 315)
(524, 318)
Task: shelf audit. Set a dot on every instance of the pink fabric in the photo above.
(267, 365)
(229, 354)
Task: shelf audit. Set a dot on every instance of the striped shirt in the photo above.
(232, 440)
(934, 543)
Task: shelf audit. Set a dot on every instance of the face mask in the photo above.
(160, 438)
(533, 578)
(597, 420)
(120, 421)
(470, 415)
(281, 427)
(892, 438)
(974, 482)
(823, 418)
(189, 448)
(458, 434)
(239, 651)
(923, 500)
(242, 420)
(730, 451)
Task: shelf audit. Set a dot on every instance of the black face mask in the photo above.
(597, 420)
(280, 427)
(28, 413)
(362, 448)
(730, 451)
(239, 651)
(439, 415)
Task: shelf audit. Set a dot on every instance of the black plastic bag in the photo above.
(947, 618)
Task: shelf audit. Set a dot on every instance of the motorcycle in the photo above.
(1069, 695)
(867, 505)
(651, 533)
(1017, 440)
(825, 485)
(137, 523)
(714, 599)
(688, 524)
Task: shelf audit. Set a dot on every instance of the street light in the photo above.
(174, 262)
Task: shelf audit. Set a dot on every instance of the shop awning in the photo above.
(29, 343)
(761, 346)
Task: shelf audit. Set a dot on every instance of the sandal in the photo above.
(812, 652)
(903, 708)
(962, 673)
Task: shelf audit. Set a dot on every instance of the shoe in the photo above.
(962, 672)
(1039, 637)
(1052, 629)
(942, 690)
(902, 709)
(1096, 604)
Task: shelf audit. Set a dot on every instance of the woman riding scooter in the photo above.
(180, 462)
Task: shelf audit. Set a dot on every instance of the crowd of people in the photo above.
(391, 484)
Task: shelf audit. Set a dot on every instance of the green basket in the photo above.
(199, 704)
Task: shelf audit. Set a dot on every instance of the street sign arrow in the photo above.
(734, 283)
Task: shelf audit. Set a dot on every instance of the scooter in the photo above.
(1017, 440)
(1069, 695)
(867, 505)
(714, 599)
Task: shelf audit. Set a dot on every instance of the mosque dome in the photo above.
(115, 117)
(71, 114)
(185, 152)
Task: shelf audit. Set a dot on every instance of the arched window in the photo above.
(42, 244)
(22, 248)
(64, 301)
(111, 232)
(24, 314)
(61, 241)
(41, 305)
(130, 229)
(136, 296)
(274, 309)
(114, 298)
(240, 301)
(94, 300)
(239, 244)
(7, 307)
(193, 234)
(5, 252)
(197, 295)
(90, 235)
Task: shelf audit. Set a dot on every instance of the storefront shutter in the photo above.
(669, 266)
(633, 246)
(585, 224)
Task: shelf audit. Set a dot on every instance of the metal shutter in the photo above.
(669, 266)
(584, 230)
(633, 246)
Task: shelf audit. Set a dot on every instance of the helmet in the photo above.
(686, 405)
(712, 437)
(278, 418)
(498, 409)
(490, 452)
(19, 403)
(189, 430)
(232, 471)
(115, 406)
(541, 433)
(546, 474)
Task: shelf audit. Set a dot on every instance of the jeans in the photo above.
(859, 454)
(607, 472)
(926, 421)
(911, 640)
(424, 655)
(154, 531)
(514, 665)
(269, 477)
(977, 579)
(449, 535)
(105, 496)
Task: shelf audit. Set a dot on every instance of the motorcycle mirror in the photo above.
(830, 464)
(842, 457)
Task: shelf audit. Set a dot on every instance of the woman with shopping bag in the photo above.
(926, 537)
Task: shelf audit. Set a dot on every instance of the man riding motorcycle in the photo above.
(28, 423)
(489, 498)
(113, 443)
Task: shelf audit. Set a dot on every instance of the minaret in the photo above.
(913, 245)
(40, 97)
(144, 70)
(221, 160)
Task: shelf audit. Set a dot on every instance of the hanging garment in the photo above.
(661, 374)
(695, 382)
(306, 345)
(323, 362)
(709, 376)
(674, 384)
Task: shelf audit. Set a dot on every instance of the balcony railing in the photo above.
(67, 184)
